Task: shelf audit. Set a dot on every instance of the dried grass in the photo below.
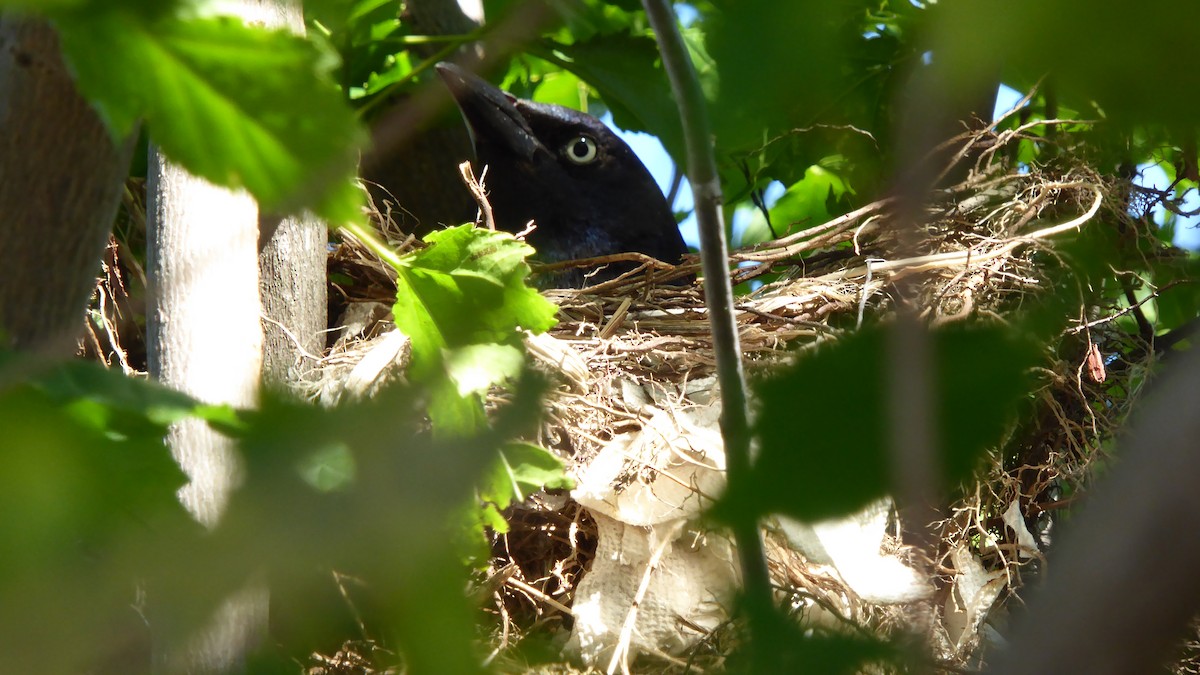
(980, 241)
(986, 245)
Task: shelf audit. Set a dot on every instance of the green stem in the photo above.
(373, 243)
(718, 291)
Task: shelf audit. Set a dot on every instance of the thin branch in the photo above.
(938, 260)
(475, 186)
(676, 184)
(620, 655)
(718, 291)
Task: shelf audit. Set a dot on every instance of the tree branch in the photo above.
(56, 206)
(718, 291)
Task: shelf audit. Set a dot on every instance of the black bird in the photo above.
(582, 186)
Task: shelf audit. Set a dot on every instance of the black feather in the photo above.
(584, 188)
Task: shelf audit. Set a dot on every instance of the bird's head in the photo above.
(585, 190)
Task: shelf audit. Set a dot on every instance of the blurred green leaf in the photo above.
(790, 648)
(239, 106)
(52, 8)
(330, 468)
(1178, 281)
(92, 388)
(837, 460)
(386, 530)
(1093, 47)
(520, 470)
(75, 501)
(75, 476)
(783, 65)
(801, 82)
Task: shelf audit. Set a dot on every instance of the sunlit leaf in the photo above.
(520, 470)
(475, 368)
(468, 287)
(239, 106)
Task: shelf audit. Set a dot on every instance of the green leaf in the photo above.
(520, 470)
(804, 204)
(42, 5)
(65, 474)
(528, 468)
(792, 649)
(75, 501)
(452, 413)
(823, 425)
(807, 49)
(113, 389)
(1178, 301)
(330, 468)
(394, 527)
(467, 288)
(561, 88)
(122, 406)
(1074, 40)
(475, 368)
(51, 8)
(239, 106)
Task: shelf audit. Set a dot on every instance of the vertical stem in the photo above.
(291, 269)
(718, 291)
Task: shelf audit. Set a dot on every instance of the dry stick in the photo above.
(621, 653)
(539, 595)
(618, 317)
(952, 258)
(799, 242)
(718, 292)
(478, 192)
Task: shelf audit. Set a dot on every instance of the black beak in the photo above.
(491, 113)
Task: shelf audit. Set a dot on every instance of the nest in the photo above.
(633, 344)
(633, 341)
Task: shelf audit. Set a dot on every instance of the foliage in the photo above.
(806, 94)
(89, 490)
(240, 106)
(519, 471)
(85, 480)
(462, 301)
(845, 431)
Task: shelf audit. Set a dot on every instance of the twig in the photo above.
(952, 258)
(718, 291)
(621, 652)
(517, 583)
(475, 186)
(1133, 305)
(291, 336)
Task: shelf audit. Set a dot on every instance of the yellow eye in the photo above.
(581, 150)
